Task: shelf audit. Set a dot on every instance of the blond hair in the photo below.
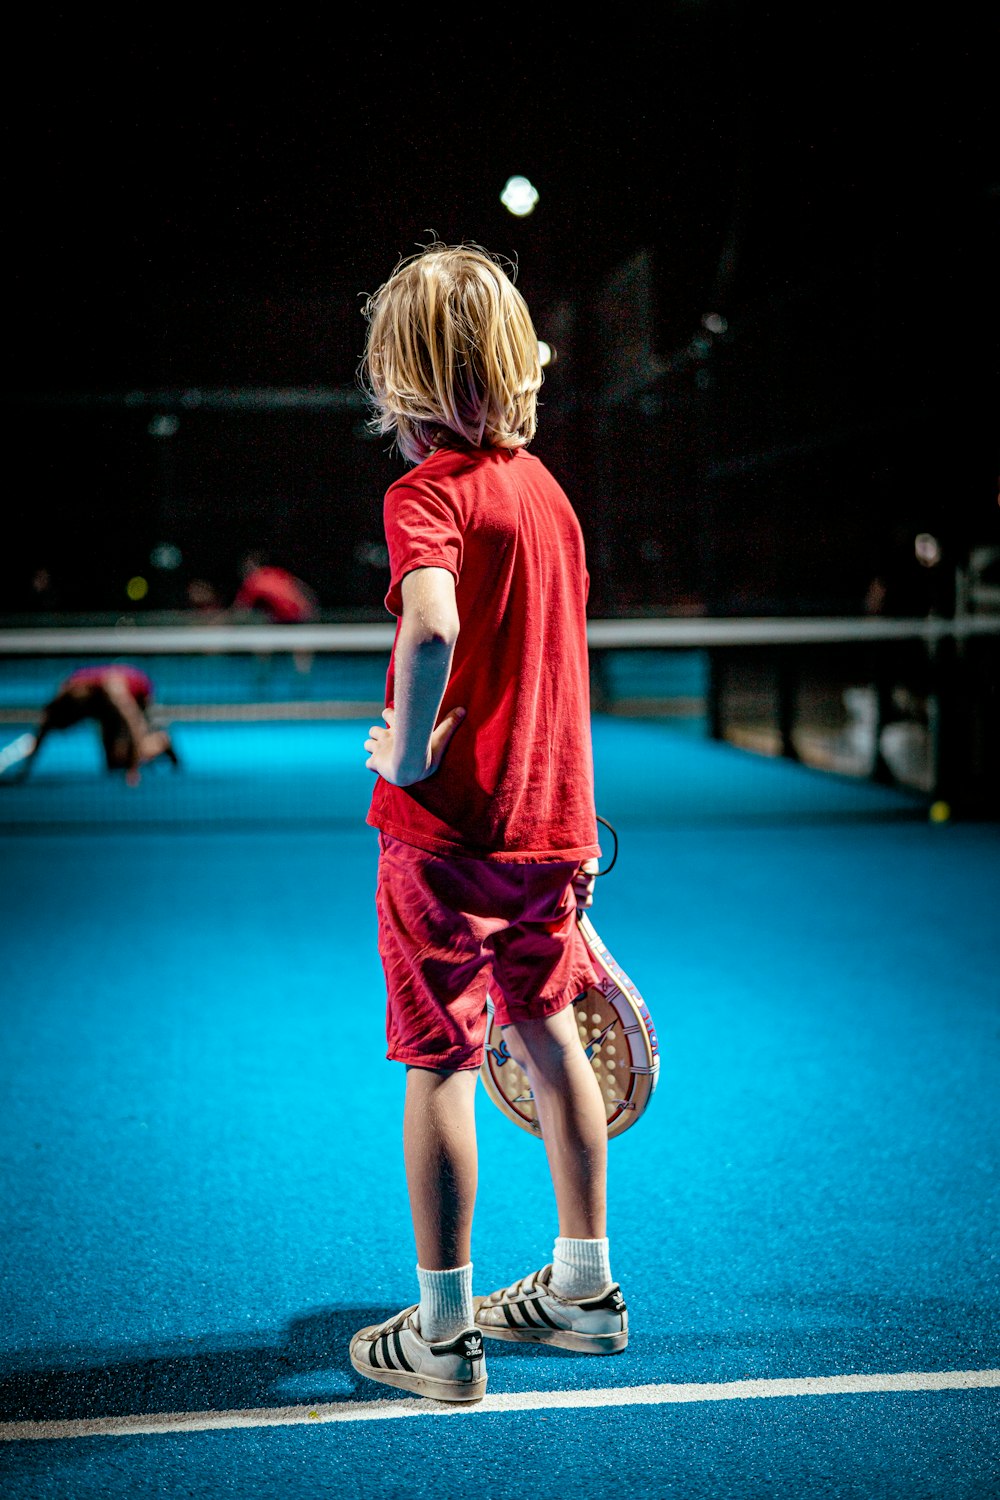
(451, 354)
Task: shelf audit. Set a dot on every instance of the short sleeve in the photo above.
(421, 531)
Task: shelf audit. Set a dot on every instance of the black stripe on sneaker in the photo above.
(511, 1320)
(531, 1322)
(372, 1355)
(539, 1311)
(397, 1344)
(386, 1357)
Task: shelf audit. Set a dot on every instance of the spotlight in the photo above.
(519, 196)
(137, 588)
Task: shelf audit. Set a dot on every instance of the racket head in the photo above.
(504, 1080)
(615, 1028)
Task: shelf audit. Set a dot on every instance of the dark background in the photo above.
(202, 205)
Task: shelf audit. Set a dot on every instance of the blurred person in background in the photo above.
(118, 698)
(45, 595)
(204, 601)
(30, 588)
(276, 593)
(915, 579)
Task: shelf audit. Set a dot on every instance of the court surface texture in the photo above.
(203, 1191)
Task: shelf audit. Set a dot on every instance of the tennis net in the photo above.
(753, 718)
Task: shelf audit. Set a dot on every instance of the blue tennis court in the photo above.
(204, 1192)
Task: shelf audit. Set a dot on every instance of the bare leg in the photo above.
(439, 1147)
(572, 1117)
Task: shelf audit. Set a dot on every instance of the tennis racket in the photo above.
(618, 1036)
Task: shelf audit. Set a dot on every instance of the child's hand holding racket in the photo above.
(583, 882)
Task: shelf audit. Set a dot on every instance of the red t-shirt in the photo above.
(139, 685)
(517, 780)
(284, 597)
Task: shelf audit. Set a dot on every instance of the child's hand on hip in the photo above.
(392, 761)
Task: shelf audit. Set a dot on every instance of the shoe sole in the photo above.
(562, 1338)
(451, 1391)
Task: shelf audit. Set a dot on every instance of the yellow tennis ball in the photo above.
(940, 812)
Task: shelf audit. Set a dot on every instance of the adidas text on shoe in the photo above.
(529, 1312)
(394, 1353)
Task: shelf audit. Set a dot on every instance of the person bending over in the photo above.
(117, 698)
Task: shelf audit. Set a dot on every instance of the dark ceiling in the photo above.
(179, 178)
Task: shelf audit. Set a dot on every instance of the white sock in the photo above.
(445, 1302)
(580, 1268)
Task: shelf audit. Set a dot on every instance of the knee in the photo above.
(540, 1047)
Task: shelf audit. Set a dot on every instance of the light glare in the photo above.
(164, 425)
(519, 196)
(927, 549)
(166, 555)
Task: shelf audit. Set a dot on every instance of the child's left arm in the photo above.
(409, 747)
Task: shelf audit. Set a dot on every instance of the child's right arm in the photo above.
(410, 747)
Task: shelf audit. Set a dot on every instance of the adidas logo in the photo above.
(617, 1298)
(472, 1347)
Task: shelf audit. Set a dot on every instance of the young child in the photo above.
(484, 804)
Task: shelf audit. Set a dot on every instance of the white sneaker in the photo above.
(529, 1312)
(394, 1353)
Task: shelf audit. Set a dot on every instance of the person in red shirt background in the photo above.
(117, 697)
(484, 802)
(275, 592)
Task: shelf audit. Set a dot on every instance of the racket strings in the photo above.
(616, 1034)
(599, 1024)
(605, 1037)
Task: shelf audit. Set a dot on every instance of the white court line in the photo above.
(378, 1411)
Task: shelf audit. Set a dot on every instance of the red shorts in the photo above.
(451, 929)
